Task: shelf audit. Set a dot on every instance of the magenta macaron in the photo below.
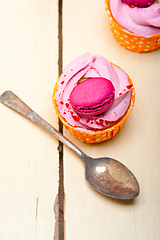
(92, 96)
(139, 3)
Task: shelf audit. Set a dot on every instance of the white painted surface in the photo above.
(90, 215)
(29, 157)
(28, 154)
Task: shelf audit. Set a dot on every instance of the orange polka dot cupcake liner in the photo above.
(96, 136)
(128, 39)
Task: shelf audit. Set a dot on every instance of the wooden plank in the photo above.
(29, 156)
(90, 215)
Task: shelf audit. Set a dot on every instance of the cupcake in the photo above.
(135, 23)
(93, 98)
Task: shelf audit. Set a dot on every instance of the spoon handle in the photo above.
(10, 100)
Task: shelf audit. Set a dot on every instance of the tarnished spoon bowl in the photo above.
(111, 178)
(106, 175)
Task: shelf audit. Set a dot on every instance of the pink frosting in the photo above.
(92, 66)
(141, 21)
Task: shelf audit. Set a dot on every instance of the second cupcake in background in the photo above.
(93, 98)
(135, 23)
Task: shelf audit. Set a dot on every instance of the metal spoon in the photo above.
(106, 175)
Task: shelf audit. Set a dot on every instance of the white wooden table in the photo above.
(29, 159)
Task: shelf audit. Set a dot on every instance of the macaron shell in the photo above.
(139, 3)
(92, 96)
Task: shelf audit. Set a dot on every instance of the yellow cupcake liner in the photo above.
(128, 39)
(96, 136)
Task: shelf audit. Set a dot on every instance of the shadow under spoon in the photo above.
(106, 175)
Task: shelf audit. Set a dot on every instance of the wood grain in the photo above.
(29, 155)
(90, 215)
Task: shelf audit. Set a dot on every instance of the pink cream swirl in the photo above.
(87, 66)
(141, 21)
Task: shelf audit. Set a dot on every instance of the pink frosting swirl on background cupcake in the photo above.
(141, 21)
(87, 66)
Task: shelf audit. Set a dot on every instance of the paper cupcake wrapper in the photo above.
(129, 40)
(96, 136)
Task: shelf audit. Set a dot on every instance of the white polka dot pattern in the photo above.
(128, 40)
